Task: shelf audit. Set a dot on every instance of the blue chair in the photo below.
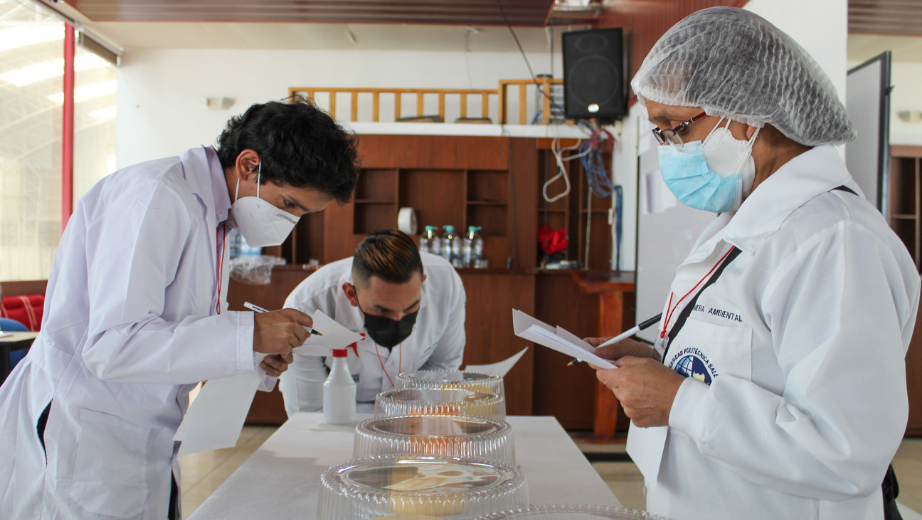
(8, 325)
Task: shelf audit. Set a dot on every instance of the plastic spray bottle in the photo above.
(339, 390)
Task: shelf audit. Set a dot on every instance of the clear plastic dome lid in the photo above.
(440, 435)
(447, 488)
(433, 401)
(451, 379)
(568, 512)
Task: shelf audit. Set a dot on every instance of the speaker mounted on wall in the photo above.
(594, 74)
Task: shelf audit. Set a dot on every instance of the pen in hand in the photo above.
(628, 333)
(257, 308)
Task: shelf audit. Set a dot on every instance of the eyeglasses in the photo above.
(671, 135)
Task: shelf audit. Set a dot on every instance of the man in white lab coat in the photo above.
(776, 388)
(410, 305)
(136, 314)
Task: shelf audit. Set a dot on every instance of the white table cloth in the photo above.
(281, 480)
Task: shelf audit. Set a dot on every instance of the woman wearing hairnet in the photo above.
(776, 388)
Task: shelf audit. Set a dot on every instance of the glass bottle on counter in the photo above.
(451, 247)
(430, 242)
(472, 247)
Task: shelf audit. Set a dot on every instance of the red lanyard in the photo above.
(671, 310)
(219, 261)
(399, 363)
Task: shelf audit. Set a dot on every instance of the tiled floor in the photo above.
(202, 473)
(908, 467)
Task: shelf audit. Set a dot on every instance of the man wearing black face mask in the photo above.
(410, 305)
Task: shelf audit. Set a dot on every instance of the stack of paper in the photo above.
(557, 339)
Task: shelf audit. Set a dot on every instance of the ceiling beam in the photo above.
(428, 12)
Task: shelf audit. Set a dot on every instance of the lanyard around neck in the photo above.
(399, 362)
(710, 278)
(219, 261)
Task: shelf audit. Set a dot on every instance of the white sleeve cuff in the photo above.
(687, 414)
(245, 325)
(268, 384)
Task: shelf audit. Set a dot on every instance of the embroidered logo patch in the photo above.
(691, 362)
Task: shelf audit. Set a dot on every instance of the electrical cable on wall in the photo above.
(601, 184)
(522, 50)
(619, 201)
(588, 227)
(561, 168)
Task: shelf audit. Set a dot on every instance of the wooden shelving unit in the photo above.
(905, 216)
(447, 180)
(571, 212)
(906, 198)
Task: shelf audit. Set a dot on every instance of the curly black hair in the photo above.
(298, 144)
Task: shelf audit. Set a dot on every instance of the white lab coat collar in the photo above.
(811, 173)
(218, 184)
(198, 174)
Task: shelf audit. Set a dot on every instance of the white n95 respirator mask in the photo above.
(261, 223)
(713, 175)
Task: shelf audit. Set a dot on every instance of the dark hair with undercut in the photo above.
(298, 144)
(389, 254)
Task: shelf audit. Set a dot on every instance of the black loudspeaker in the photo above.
(593, 74)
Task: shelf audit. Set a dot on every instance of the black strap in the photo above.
(173, 513)
(686, 312)
(41, 424)
(844, 188)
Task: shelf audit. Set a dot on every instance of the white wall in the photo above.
(160, 112)
(905, 78)
(819, 26)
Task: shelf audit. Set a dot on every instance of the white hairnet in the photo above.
(734, 64)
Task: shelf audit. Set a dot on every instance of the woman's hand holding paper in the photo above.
(645, 387)
(627, 347)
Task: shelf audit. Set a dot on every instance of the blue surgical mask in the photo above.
(711, 176)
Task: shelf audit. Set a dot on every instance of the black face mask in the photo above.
(387, 332)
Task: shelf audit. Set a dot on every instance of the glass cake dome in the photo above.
(451, 379)
(440, 487)
(439, 435)
(570, 512)
(432, 401)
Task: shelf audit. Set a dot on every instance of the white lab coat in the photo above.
(437, 341)
(129, 327)
(801, 344)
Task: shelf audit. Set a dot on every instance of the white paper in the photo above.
(529, 328)
(572, 338)
(645, 446)
(643, 144)
(216, 416)
(497, 369)
(656, 194)
(334, 336)
(645, 139)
